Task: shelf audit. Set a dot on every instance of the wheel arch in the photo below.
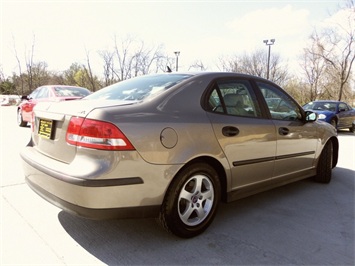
(217, 166)
(172, 211)
(335, 143)
(335, 118)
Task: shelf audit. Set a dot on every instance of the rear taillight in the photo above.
(96, 135)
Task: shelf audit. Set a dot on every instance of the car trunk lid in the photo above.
(51, 121)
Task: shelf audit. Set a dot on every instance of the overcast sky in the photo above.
(200, 30)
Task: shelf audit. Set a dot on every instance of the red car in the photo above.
(49, 93)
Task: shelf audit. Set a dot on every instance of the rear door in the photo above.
(246, 137)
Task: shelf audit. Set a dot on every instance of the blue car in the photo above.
(339, 114)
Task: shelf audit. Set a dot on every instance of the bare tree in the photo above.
(29, 66)
(36, 73)
(314, 68)
(135, 58)
(109, 72)
(89, 74)
(298, 89)
(336, 45)
(124, 58)
(40, 75)
(256, 64)
(19, 67)
(228, 63)
(147, 58)
(198, 66)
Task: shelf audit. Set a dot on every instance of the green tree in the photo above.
(7, 87)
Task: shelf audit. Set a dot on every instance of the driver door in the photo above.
(296, 139)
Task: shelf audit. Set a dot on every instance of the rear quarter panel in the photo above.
(178, 112)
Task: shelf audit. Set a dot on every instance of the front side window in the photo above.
(280, 105)
(343, 107)
(233, 97)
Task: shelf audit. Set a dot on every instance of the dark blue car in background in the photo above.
(339, 114)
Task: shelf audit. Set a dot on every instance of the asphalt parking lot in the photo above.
(303, 223)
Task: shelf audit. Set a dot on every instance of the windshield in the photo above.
(321, 106)
(139, 88)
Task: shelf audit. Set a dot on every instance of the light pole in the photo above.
(177, 60)
(268, 43)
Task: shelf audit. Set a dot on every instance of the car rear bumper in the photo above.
(95, 214)
(106, 196)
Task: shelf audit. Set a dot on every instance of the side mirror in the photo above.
(311, 116)
(342, 110)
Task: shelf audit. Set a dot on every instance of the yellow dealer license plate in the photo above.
(45, 128)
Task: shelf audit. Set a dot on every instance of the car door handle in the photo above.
(229, 131)
(283, 131)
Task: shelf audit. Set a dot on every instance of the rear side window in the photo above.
(34, 94)
(233, 97)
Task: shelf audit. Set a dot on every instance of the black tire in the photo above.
(333, 122)
(191, 202)
(20, 121)
(325, 164)
(352, 128)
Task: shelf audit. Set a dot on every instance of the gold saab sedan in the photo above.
(173, 146)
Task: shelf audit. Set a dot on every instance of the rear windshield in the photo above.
(139, 88)
(71, 92)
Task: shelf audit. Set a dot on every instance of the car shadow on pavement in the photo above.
(300, 223)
